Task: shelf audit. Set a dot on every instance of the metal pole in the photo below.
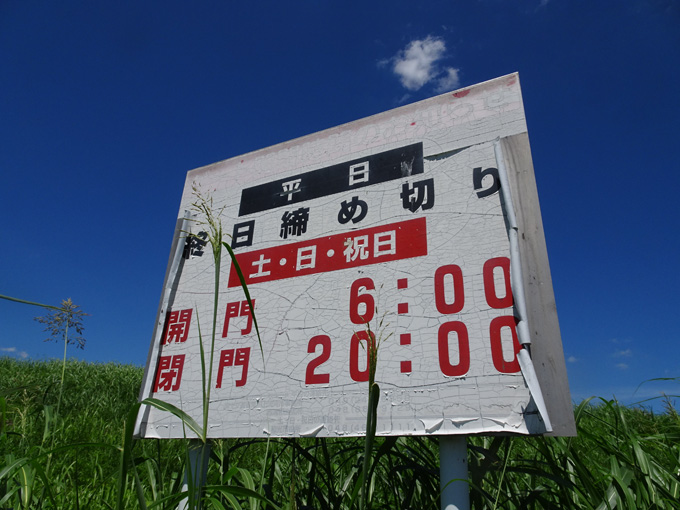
(195, 474)
(453, 472)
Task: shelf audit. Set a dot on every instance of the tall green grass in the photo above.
(624, 458)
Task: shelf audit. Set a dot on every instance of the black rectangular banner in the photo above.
(385, 166)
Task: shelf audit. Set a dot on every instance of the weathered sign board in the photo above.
(419, 229)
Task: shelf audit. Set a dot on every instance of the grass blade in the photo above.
(126, 454)
(186, 419)
(244, 286)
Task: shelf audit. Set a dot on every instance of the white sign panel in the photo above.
(392, 229)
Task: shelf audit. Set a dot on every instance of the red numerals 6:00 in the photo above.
(448, 282)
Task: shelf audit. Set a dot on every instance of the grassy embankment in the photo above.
(622, 458)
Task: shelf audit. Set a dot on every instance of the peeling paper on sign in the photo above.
(534, 387)
(432, 425)
(313, 432)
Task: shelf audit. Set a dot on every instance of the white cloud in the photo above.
(21, 354)
(450, 81)
(416, 65)
(572, 359)
(622, 366)
(404, 98)
(623, 353)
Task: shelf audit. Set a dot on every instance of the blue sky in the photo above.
(104, 107)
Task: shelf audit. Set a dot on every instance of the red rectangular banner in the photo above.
(395, 241)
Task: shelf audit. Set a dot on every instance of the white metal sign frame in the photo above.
(418, 229)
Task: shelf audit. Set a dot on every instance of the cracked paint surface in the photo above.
(305, 320)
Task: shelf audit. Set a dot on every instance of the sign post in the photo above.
(453, 473)
(195, 474)
(417, 230)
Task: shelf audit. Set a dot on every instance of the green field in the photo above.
(77, 453)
